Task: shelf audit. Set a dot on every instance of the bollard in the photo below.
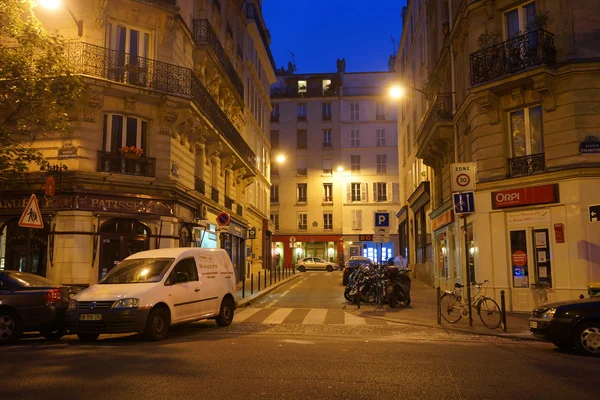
(271, 277)
(439, 305)
(251, 283)
(293, 270)
(279, 274)
(265, 278)
(503, 309)
(258, 282)
(357, 298)
(243, 286)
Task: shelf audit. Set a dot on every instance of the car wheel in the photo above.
(302, 268)
(11, 327)
(329, 268)
(88, 337)
(53, 332)
(225, 317)
(587, 339)
(157, 326)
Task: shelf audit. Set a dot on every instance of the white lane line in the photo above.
(315, 316)
(271, 304)
(313, 274)
(245, 314)
(284, 293)
(351, 319)
(278, 316)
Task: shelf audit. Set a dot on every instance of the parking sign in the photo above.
(382, 219)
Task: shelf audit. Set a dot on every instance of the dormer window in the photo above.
(302, 86)
(326, 85)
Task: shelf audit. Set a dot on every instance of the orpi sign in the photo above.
(462, 176)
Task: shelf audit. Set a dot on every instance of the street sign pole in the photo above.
(28, 250)
(468, 271)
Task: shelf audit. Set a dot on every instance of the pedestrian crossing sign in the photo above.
(32, 217)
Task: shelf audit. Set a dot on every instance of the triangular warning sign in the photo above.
(32, 217)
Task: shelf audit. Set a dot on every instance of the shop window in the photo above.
(530, 257)
(443, 255)
(526, 132)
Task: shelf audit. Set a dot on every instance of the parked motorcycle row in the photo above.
(379, 285)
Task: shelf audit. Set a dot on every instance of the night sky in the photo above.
(319, 32)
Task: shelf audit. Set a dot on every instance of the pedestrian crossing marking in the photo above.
(304, 316)
(352, 319)
(316, 316)
(278, 316)
(245, 314)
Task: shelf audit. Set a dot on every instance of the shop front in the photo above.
(446, 248)
(421, 253)
(233, 241)
(365, 246)
(292, 248)
(403, 244)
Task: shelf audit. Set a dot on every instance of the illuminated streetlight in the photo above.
(50, 4)
(280, 158)
(340, 169)
(55, 4)
(397, 92)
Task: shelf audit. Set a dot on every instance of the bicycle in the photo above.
(454, 307)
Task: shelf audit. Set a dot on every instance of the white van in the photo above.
(151, 290)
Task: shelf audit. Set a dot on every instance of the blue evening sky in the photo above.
(319, 32)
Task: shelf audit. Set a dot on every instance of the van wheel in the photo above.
(225, 317)
(157, 326)
(11, 327)
(302, 268)
(88, 337)
(53, 332)
(329, 268)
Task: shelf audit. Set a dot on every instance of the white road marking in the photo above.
(351, 319)
(245, 314)
(271, 303)
(315, 316)
(278, 316)
(284, 293)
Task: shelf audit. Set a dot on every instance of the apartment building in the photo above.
(186, 84)
(509, 85)
(334, 135)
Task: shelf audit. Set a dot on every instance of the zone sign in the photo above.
(462, 176)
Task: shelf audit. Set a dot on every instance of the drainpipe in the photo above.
(453, 82)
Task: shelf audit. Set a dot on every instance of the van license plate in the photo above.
(90, 317)
(533, 324)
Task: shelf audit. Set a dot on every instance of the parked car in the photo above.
(571, 324)
(152, 290)
(315, 263)
(353, 262)
(30, 302)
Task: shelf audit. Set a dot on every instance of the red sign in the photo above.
(223, 218)
(50, 187)
(32, 217)
(365, 238)
(559, 233)
(519, 258)
(525, 196)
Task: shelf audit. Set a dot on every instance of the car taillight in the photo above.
(53, 296)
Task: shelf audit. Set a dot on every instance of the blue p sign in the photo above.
(382, 219)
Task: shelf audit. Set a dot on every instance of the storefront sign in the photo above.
(590, 145)
(443, 220)
(67, 151)
(519, 258)
(527, 217)
(121, 204)
(559, 233)
(525, 196)
(365, 238)
(11, 205)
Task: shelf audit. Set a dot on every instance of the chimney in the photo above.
(341, 66)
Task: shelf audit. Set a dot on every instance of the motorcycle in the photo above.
(398, 286)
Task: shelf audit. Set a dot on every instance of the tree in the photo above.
(37, 87)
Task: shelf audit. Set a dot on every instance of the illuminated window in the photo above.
(302, 86)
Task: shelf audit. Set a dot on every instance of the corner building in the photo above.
(187, 84)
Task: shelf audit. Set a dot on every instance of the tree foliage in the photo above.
(37, 86)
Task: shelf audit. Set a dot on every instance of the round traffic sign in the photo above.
(223, 218)
(463, 180)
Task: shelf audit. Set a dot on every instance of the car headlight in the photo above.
(549, 313)
(126, 303)
(72, 304)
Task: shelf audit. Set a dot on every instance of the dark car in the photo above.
(571, 324)
(30, 302)
(353, 262)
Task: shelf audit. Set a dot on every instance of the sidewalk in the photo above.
(423, 311)
(246, 298)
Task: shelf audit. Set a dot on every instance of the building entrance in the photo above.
(120, 238)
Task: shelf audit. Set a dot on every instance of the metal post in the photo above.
(28, 251)
(251, 283)
(357, 298)
(468, 272)
(279, 274)
(271, 277)
(503, 308)
(243, 286)
(439, 305)
(265, 278)
(258, 282)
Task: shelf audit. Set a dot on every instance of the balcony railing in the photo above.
(327, 145)
(302, 171)
(527, 165)
(239, 210)
(328, 199)
(302, 227)
(204, 33)
(116, 163)
(326, 117)
(228, 203)
(513, 56)
(440, 111)
(200, 186)
(301, 199)
(214, 194)
(253, 14)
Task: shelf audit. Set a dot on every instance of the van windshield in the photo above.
(139, 270)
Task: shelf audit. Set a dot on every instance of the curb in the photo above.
(246, 301)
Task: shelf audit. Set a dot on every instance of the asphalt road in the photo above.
(296, 361)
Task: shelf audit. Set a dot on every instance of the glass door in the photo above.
(530, 257)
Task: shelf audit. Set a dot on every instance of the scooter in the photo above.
(398, 286)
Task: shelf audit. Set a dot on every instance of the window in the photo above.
(354, 114)
(380, 191)
(355, 164)
(301, 139)
(301, 111)
(302, 86)
(519, 20)
(354, 138)
(356, 219)
(125, 40)
(380, 111)
(526, 132)
(186, 270)
(326, 111)
(275, 221)
(326, 85)
(327, 138)
(327, 165)
(120, 131)
(328, 221)
(274, 139)
(380, 137)
(328, 192)
(356, 192)
(302, 221)
(301, 163)
(275, 194)
(381, 163)
(302, 192)
(275, 113)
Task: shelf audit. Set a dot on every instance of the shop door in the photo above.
(15, 248)
(118, 240)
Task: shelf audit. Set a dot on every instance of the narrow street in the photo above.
(295, 343)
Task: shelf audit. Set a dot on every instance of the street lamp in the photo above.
(55, 4)
(280, 159)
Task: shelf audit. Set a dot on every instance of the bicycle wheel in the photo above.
(451, 307)
(489, 312)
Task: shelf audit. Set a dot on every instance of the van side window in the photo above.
(186, 266)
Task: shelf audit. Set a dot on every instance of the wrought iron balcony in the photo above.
(253, 14)
(302, 227)
(513, 56)
(440, 111)
(214, 194)
(239, 210)
(328, 199)
(228, 203)
(200, 186)
(116, 163)
(204, 33)
(527, 165)
(89, 59)
(302, 199)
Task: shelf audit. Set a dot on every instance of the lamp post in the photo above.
(55, 4)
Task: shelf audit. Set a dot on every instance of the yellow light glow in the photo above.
(50, 4)
(144, 272)
(350, 242)
(280, 158)
(340, 169)
(397, 92)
